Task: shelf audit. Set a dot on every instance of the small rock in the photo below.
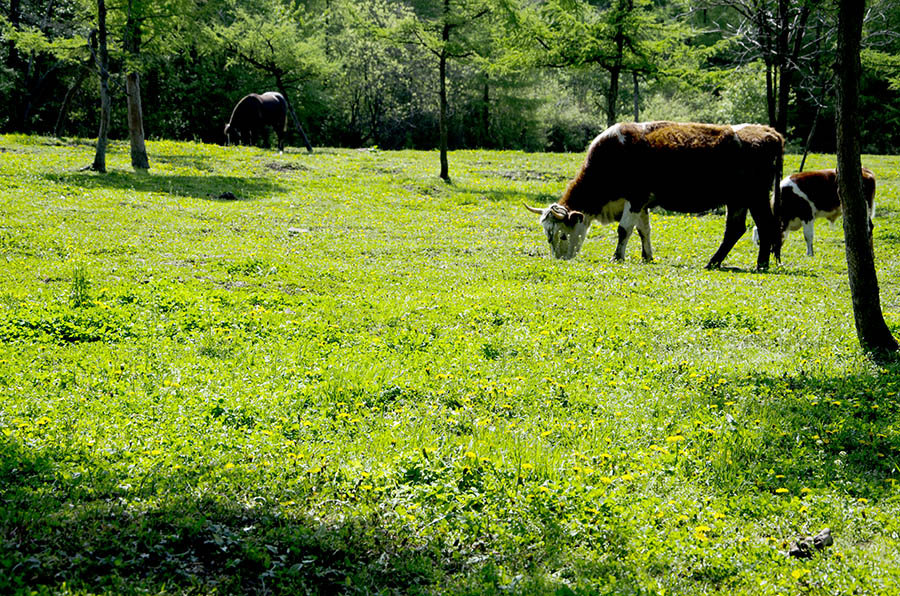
(805, 546)
(823, 539)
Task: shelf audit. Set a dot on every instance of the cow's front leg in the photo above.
(643, 228)
(808, 235)
(626, 227)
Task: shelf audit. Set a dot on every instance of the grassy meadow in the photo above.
(353, 378)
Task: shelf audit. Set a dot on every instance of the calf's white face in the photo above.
(565, 230)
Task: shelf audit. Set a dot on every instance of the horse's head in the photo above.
(232, 135)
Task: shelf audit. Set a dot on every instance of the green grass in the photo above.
(355, 378)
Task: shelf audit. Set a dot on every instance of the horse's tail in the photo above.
(284, 104)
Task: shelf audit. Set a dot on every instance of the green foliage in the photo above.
(79, 294)
(356, 378)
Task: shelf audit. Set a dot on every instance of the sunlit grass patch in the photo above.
(356, 377)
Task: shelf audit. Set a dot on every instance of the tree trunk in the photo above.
(611, 95)
(102, 57)
(132, 44)
(15, 14)
(14, 63)
(442, 74)
(770, 94)
(809, 138)
(871, 329)
(637, 98)
(64, 106)
(139, 159)
(486, 115)
(282, 89)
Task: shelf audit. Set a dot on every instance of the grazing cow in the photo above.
(253, 113)
(684, 167)
(808, 195)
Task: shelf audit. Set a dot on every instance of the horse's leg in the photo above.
(735, 226)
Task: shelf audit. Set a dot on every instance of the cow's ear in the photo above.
(575, 217)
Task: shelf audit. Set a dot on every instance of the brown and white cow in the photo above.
(806, 196)
(683, 167)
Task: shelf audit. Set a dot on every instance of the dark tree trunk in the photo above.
(637, 98)
(14, 63)
(132, 40)
(486, 115)
(871, 329)
(15, 15)
(102, 58)
(64, 106)
(139, 159)
(809, 138)
(442, 73)
(283, 90)
(611, 95)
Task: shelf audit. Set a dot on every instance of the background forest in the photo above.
(538, 75)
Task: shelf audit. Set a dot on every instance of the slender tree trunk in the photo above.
(102, 57)
(13, 59)
(139, 159)
(64, 106)
(612, 94)
(282, 89)
(14, 63)
(486, 115)
(132, 44)
(871, 329)
(637, 97)
(770, 94)
(442, 73)
(809, 138)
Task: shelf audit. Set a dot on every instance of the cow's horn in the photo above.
(558, 211)
(534, 209)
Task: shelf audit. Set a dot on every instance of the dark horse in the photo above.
(253, 113)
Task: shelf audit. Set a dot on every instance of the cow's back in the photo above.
(698, 167)
(686, 167)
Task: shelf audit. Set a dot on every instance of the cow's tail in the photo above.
(776, 202)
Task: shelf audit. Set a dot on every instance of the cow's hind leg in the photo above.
(643, 228)
(808, 234)
(769, 236)
(735, 226)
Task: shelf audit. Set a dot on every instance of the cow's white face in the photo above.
(565, 230)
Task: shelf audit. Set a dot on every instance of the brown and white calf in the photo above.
(683, 167)
(806, 196)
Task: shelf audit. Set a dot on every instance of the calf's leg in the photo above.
(808, 236)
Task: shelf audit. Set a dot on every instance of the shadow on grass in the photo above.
(814, 431)
(201, 187)
(467, 196)
(77, 532)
